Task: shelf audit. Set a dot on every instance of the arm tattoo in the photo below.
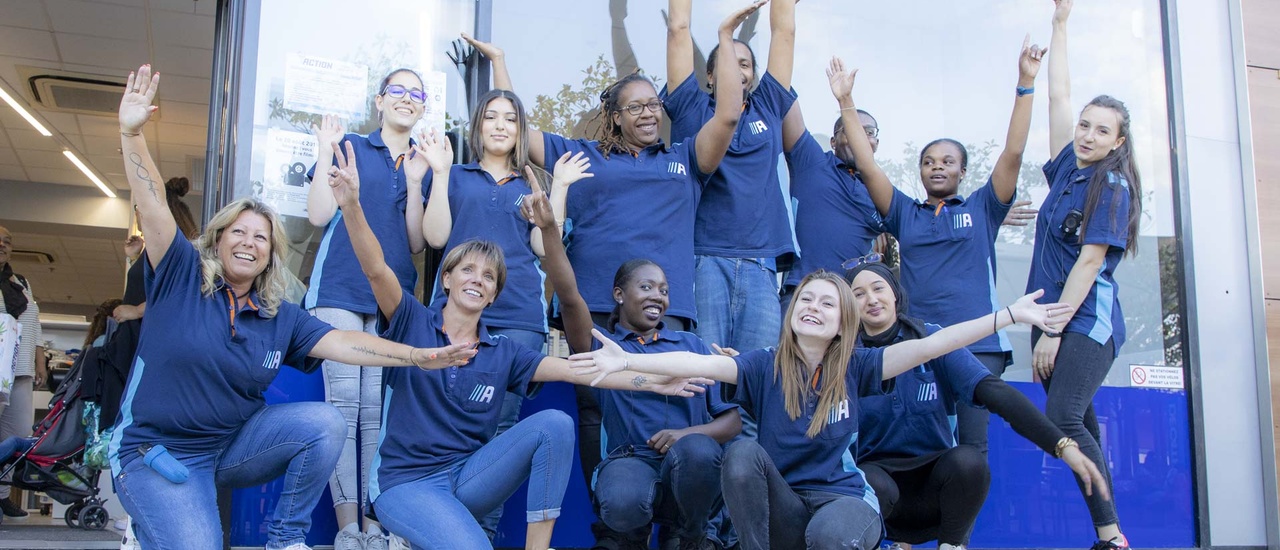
(639, 381)
(374, 353)
(144, 175)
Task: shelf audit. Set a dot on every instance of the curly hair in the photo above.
(609, 135)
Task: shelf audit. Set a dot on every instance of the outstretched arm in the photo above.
(782, 40)
(716, 134)
(145, 186)
(679, 42)
(576, 315)
(904, 356)
(610, 359)
(1004, 177)
(344, 178)
(878, 184)
(555, 369)
(360, 348)
(321, 206)
(1061, 129)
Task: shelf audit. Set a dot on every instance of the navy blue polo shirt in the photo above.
(1055, 252)
(835, 218)
(630, 418)
(201, 368)
(490, 210)
(636, 206)
(824, 463)
(336, 278)
(949, 258)
(917, 416)
(744, 211)
(434, 418)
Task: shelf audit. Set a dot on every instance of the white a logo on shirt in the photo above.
(482, 394)
(272, 362)
(757, 127)
(676, 168)
(960, 221)
(928, 392)
(838, 412)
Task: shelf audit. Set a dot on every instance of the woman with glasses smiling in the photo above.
(392, 166)
(949, 233)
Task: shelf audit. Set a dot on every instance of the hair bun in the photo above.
(178, 186)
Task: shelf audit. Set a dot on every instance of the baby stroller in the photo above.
(54, 464)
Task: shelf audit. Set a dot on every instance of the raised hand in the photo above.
(438, 150)
(535, 207)
(139, 93)
(344, 176)
(1020, 214)
(738, 17)
(1061, 11)
(328, 133)
(438, 358)
(602, 362)
(133, 246)
(841, 81)
(486, 49)
(1029, 59)
(415, 161)
(1087, 471)
(571, 169)
(1026, 310)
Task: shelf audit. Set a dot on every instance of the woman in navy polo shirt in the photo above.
(664, 452)
(339, 294)
(439, 465)
(798, 484)
(743, 227)
(193, 416)
(947, 232)
(1088, 222)
(928, 486)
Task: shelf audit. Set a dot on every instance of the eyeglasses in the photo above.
(635, 109)
(397, 91)
(871, 131)
(871, 258)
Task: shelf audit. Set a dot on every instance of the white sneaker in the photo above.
(297, 546)
(129, 541)
(349, 538)
(374, 539)
(394, 542)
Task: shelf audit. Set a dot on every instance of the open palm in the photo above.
(140, 92)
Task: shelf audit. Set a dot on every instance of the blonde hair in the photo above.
(272, 283)
(488, 250)
(790, 369)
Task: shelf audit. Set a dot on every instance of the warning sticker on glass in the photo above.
(1156, 376)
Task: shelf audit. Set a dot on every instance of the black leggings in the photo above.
(937, 500)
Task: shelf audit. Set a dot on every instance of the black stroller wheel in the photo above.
(94, 517)
(73, 515)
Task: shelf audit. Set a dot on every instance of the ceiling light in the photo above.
(92, 177)
(22, 111)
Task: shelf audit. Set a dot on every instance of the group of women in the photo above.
(849, 409)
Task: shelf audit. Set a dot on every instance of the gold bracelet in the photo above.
(1063, 444)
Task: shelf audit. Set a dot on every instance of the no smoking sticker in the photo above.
(1155, 376)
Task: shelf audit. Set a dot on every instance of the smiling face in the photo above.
(1097, 134)
(877, 304)
(472, 284)
(499, 128)
(745, 61)
(244, 248)
(941, 169)
(400, 113)
(643, 298)
(815, 312)
(640, 130)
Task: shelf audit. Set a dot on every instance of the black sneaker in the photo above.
(1117, 543)
(10, 509)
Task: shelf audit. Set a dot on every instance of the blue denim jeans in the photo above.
(442, 509)
(768, 513)
(511, 404)
(299, 440)
(681, 489)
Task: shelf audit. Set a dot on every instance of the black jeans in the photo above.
(972, 422)
(768, 513)
(936, 500)
(1078, 371)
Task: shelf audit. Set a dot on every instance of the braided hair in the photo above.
(609, 134)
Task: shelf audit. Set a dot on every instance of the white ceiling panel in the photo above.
(12, 172)
(100, 126)
(183, 61)
(27, 138)
(201, 7)
(24, 13)
(94, 145)
(97, 19)
(183, 134)
(60, 123)
(65, 176)
(42, 159)
(108, 53)
(8, 156)
(195, 114)
(174, 87)
(27, 43)
(4, 139)
(172, 28)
